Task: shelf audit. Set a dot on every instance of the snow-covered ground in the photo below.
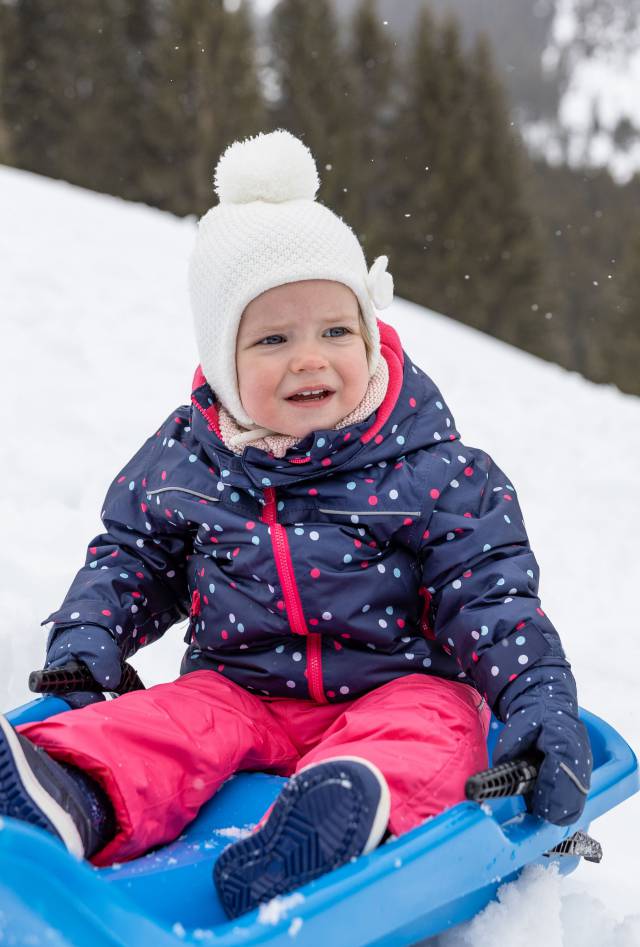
(96, 349)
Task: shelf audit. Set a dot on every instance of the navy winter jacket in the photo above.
(382, 549)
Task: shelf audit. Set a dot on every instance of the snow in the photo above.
(236, 832)
(97, 349)
(535, 909)
(272, 912)
(294, 927)
(264, 7)
(598, 47)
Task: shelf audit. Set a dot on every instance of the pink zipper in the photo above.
(297, 621)
(314, 667)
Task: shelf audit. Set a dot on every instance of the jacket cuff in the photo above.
(89, 613)
(548, 671)
(509, 658)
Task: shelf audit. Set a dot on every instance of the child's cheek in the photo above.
(262, 384)
(257, 392)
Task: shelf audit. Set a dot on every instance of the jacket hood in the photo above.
(412, 416)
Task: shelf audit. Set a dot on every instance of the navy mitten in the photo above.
(540, 710)
(90, 644)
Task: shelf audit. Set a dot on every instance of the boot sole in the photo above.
(319, 821)
(23, 797)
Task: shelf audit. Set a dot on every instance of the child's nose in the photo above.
(308, 359)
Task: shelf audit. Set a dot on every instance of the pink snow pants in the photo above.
(161, 753)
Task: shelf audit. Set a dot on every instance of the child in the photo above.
(359, 584)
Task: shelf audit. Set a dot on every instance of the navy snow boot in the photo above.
(36, 789)
(326, 814)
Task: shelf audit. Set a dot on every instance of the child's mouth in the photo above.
(315, 396)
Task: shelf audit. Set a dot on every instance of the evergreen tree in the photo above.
(372, 76)
(131, 97)
(66, 93)
(5, 41)
(34, 91)
(590, 259)
(182, 120)
(623, 336)
(315, 96)
(240, 107)
(428, 183)
(138, 155)
(462, 240)
(206, 94)
(506, 247)
(92, 60)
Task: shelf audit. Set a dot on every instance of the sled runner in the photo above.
(413, 887)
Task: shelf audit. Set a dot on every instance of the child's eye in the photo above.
(273, 339)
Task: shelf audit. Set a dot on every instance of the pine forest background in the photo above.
(416, 139)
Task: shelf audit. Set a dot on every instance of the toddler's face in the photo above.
(301, 337)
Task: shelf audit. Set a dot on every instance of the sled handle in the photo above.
(515, 778)
(75, 676)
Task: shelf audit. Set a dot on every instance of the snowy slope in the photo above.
(96, 350)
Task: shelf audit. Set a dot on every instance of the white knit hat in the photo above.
(268, 230)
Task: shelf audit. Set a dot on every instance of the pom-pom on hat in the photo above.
(266, 230)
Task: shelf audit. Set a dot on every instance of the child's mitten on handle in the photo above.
(93, 646)
(540, 710)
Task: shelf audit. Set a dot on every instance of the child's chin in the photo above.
(313, 421)
(301, 431)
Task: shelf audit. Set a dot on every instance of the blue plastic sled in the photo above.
(411, 888)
